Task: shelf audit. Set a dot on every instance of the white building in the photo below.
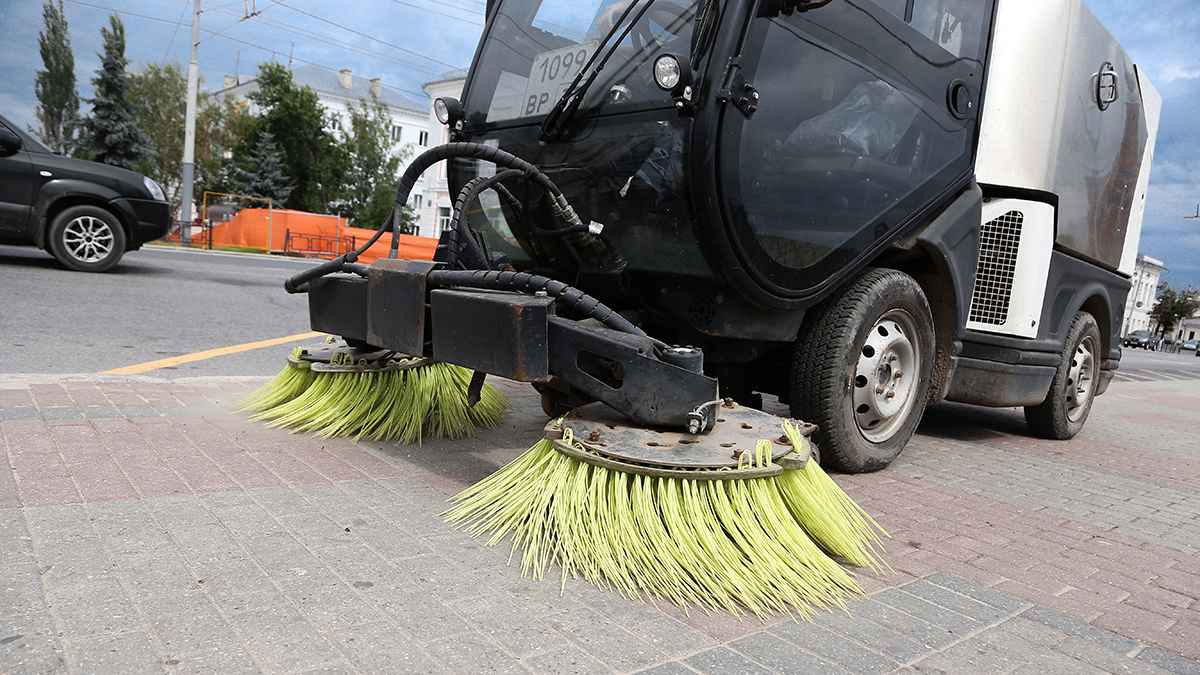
(1146, 272)
(336, 91)
(438, 202)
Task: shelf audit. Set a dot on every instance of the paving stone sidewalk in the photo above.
(146, 527)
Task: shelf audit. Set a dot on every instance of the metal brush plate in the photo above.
(372, 360)
(738, 429)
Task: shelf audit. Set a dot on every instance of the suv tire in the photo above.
(86, 238)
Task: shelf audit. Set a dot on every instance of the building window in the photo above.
(396, 132)
(443, 221)
(416, 202)
(423, 139)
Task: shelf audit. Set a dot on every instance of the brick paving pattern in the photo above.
(145, 527)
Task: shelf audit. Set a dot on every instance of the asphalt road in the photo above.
(1140, 365)
(164, 302)
(157, 303)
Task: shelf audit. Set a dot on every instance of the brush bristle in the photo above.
(729, 544)
(397, 405)
(287, 385)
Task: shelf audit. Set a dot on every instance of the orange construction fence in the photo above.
(312, 234)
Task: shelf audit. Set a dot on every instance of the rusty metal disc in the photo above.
(603, 431)
(338, 357)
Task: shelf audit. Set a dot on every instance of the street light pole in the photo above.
(189, 133)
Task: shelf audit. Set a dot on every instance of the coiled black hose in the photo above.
(460, 229)
(486, 153)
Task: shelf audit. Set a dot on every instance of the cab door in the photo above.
(16, 183)
(842, 126)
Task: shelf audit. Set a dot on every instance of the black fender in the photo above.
(62, 192)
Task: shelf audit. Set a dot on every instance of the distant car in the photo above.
(1189, 345)
(1141, 338)
(86, 214)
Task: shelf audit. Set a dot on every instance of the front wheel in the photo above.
(87, 239)
(861, 369)
(1073, 388)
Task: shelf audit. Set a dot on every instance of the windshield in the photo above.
(533, 51)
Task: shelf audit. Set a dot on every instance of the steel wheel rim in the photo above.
(88, 239)
(886, 376)
(1081, 379)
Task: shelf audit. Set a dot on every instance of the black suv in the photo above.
(86, 214)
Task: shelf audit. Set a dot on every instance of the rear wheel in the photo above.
(87, 239)
(1073, 389)
(861, 369)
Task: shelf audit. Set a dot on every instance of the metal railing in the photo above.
(202, 238)
(317, 244)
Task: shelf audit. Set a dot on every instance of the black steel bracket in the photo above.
(737, 90)
(516, 336)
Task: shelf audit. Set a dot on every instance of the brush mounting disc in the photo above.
(353, 360)
(604, 431)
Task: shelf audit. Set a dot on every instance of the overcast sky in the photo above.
(410, 42)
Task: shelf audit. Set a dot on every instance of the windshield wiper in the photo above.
(568, 104)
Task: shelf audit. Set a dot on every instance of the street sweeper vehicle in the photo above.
(667, 208)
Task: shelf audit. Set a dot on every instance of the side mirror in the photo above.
(9, 142)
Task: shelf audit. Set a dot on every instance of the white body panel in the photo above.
(1015, 243)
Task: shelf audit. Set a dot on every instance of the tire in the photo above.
(87, 239)
(877, 328)
(1073, 388)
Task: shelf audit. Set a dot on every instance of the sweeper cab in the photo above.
(855, 206)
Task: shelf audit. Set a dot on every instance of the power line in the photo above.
(333, 42)
(125, 13)
(418, 96)
(1177, 207)
(449, 16)
(342, 44)
(374, 39)
(1181, 199)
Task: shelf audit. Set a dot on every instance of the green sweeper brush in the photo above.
(729, 520)
(336, 390)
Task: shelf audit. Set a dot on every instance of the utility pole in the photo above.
(189, 133)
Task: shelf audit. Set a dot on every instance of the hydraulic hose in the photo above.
(297, 282)
(470, 192)
(562, 210)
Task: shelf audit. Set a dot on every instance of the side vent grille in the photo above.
(999, 240)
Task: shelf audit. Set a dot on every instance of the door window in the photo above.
(853, 130)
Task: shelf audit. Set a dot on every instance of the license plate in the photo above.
(551, 74)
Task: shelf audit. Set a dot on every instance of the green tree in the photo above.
(158, 96)
(371, 176)
(312, 159)
(263, 176)
(1173, 305)
(158, 99)
(58, 102)
(116, 138)
(220, 128)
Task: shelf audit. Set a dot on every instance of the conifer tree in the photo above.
(115, 136)
(58, 102)
(264, 176)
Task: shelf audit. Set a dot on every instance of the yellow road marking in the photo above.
(1135, 376)
(1168, 376)
(206, 354)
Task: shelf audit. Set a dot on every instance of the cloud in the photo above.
(1173, 71)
